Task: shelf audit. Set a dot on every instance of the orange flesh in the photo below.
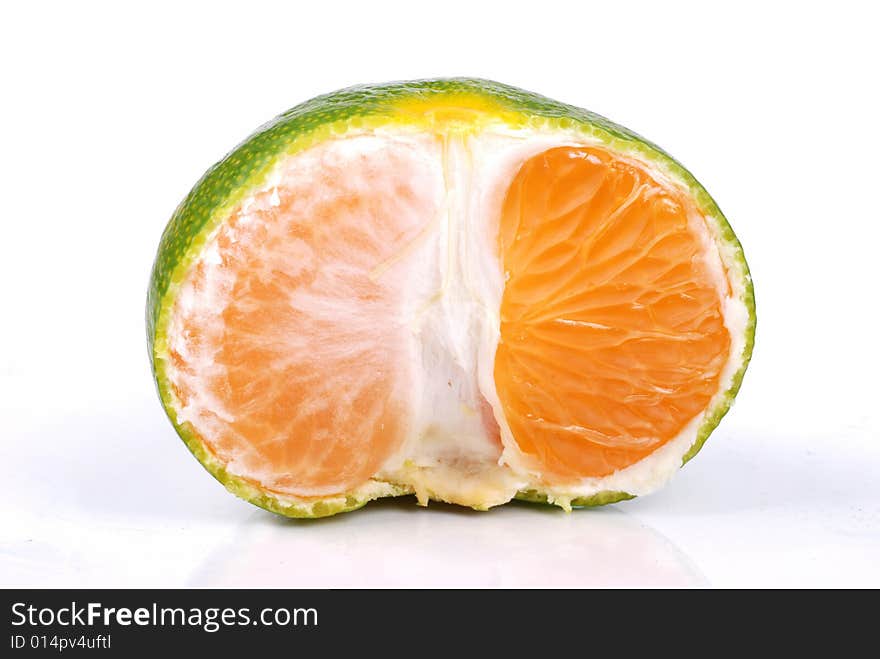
(305, 354)
(612, 335)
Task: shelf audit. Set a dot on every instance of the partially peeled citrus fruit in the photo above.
(448, 288)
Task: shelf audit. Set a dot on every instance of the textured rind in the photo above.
(598, 499)
(371, 106)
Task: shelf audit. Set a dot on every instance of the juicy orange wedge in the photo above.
(612, 334)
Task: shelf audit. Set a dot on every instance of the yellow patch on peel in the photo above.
(469, 113)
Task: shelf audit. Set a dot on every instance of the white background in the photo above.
(110, 114)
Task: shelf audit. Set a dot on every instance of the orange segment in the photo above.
(612, 335)
(295, 353)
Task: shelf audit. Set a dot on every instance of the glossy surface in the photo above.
(764, 508)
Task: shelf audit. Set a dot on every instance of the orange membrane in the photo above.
(612, 335)
(291, 352)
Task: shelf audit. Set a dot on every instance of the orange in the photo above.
(450, 288)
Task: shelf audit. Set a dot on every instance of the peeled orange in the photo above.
(448, 288)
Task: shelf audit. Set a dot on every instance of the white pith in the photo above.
(452, 294)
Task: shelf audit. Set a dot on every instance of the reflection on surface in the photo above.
(111, 498)
(393, 543)
(131, 508)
